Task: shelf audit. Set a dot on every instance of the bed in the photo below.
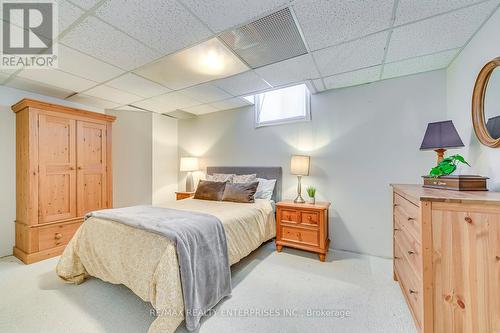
(147, 262)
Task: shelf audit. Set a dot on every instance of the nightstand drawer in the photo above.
(302, 236)
(309, 218)
(288, 215)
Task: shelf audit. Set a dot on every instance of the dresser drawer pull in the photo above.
(395, 257)
(309, 218)
(299, 236)
(411, 219)
(397, 229)
(468, 220)
(58, 236)
(411, 252)
(411, 291)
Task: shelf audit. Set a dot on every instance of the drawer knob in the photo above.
(288, 217)
(468, 220)
(309, 218)
(58, 236)
(299, 236)
(411, 219)
(411, 291)
(411, 252)
(397, 229)
(396, 258)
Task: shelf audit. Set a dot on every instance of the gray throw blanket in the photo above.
(201, 250)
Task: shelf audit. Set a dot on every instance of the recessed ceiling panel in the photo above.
(137, 85)
(92, 101)
(419, 64)
(411, 10)
(68, 13)
(86, 4)
(164, 25)
(85, 66)
(37, 87)
(326, 23)
(242, 84)
(94, 37)
(201, 109)
(206, 93)
(216, 13)
(365, 52)
(168, 102)
(289, 71)
(201, 63)
(57, 78)
(354, 78)
(443, 32)
(267, 40)
(112, 94)
(179, 114)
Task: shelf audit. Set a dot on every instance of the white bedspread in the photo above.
(147, 263)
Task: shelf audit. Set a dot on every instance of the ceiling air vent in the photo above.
(267, 40)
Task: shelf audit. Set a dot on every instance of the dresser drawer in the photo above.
(411, 249)
(289, 215)
(302, 236)
(410, 284)
(56, 235)
(309, 218)
(408, 216)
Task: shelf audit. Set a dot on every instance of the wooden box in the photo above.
(457, 183)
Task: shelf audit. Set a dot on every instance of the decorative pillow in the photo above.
(240, 192)
(220, 177)
(208, 190)
(244, 178)
(265, 189)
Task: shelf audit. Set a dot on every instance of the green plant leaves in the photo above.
(447, 166)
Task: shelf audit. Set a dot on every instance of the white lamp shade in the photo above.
(300, 165)
(189, 164)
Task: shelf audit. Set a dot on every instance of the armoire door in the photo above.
(91, 161)
(57, 163)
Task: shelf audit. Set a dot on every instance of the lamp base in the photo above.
(299, 198)
(440, 154)
(189, 182)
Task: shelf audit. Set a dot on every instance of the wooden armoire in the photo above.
(63, 164)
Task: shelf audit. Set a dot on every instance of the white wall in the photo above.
(8, 97)
(461, 76)
(132, 158)
(360, 139)
(165, 159)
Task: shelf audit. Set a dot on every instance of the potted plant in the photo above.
(311, 192)
(447, 166)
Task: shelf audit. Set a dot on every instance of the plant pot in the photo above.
(311, 201)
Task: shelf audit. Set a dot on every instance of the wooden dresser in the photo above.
(63, 164)
(447, 258)
(303, 226)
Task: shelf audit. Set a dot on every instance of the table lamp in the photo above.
(189, 164)
(440, 136)
(299, 166)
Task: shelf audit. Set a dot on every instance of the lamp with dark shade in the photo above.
(493, 127)
(440, 136)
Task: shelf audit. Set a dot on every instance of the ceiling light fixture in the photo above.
(211, 61)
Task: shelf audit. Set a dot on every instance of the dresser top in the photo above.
(420, 193)
(290, 204)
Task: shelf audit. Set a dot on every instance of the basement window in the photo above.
(281, 106)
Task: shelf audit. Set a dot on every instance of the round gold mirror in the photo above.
(486, 104)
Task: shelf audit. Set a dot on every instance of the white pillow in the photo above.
(244, 178)
(220, 177)
(265, 189)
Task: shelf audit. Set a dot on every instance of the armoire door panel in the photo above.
(91, 156)
(57, 163)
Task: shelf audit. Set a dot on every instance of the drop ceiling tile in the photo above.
(3, 77)
(170, 27)
(206, 93)
(318, 84)
(85, 4)
(365, 52)
(92, 101)
(137, 85)
(232, 103)
(289, 71)
(223, 14)
(201, 109)
(129, 108)
(179, 114)
(439, 33)
(68, 14)
(412, 10)
(242, 84)
(104, 42)
(204, 62)
(419, 64)
(85, 66)
(112, 94)
(57, 78)
(37, 87)
(168, 102)
(354, 78)
(325, 23)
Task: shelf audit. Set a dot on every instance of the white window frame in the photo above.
(258, 109)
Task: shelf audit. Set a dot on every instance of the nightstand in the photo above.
(183, 195)
(303, 226)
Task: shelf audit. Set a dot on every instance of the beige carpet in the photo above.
(273, 292)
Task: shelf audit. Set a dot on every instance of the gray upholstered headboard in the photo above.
(262, 172)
